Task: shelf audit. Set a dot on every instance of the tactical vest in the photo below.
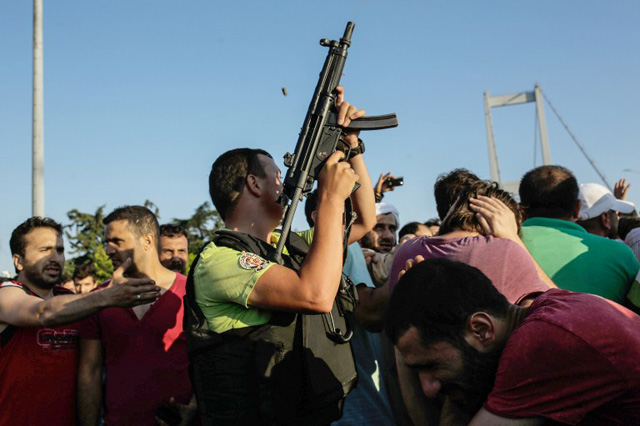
(295, 370)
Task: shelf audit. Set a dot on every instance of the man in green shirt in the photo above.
(574, 259)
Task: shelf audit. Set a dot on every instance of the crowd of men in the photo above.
(498, 312)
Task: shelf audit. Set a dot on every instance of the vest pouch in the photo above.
(329, 369)
(278, 369)
(347, 296)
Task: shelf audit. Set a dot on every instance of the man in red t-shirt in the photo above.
(142, 349)
(38, 342)
(571, 358)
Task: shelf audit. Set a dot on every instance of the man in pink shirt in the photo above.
(142, 349)
(569, 358)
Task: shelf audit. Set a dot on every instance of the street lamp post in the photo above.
(38, 114)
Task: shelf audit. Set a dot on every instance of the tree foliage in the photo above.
(85, 234)
(201, 226)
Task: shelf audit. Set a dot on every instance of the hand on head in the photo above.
(495, 218)
(410, 263)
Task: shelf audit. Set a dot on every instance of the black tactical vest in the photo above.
(294, 370)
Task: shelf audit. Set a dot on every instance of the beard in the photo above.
(176, 265)
(36, 275)
(471, 390)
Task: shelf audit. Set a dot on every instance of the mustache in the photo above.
(53, 264)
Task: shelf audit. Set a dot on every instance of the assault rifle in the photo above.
(320, 135)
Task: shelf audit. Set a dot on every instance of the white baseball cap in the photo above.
(597, 199)
(386, 208)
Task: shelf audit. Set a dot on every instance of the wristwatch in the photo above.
(342, 146)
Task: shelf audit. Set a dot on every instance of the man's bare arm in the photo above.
(364, 202)
(371, 307)
(314, 287)
(486, 418)
(89, 391)
(22, 310)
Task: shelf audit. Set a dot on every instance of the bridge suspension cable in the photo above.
(578, 144)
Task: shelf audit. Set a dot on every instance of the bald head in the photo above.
(549, 191)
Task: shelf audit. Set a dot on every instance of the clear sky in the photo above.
(141, 96)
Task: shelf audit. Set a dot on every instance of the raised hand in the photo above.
(337, 178)
(620, 189)
(410, 263)
(346, 113)
(380, 185)
(126, 292)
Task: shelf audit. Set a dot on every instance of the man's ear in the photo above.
(576, 212)
(481, 331)
(314, 215)
(148, 241)
(253, 185)
(18, 262)
(605, 221)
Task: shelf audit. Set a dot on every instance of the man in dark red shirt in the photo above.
(570, 357)
(143, 349)
(38, 342)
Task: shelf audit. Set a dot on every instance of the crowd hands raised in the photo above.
(484, 315)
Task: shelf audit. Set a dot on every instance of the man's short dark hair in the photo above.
(409, 228)
(83, 271)
(549, 191)
(626, 224)
(447, 187)
(17, 242)
(141, 220)
(463, 218)
(433, 222)
(310, 205)
(437, 297)
(228, 174)
(172, 231)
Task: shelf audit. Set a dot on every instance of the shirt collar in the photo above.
(553, 223)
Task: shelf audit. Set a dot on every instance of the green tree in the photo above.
(201, 226)
(85, 234)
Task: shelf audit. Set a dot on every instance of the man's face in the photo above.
(174, 253)
(382, 238)
(423, 230)
(43, 258)
(121, 243)
(273, 187)
(69, 285)
(85, 285)
(463, 374)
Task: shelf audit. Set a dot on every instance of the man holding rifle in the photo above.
(258, 365)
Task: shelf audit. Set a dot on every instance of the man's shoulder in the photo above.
(578, 312)
(179, 284)
(14, 284)
(216, 254)
(220, 262)
(612, 250)
(536, 225)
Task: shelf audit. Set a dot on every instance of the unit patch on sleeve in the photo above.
(252, 261)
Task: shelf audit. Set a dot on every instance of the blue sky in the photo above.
(142, 96)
